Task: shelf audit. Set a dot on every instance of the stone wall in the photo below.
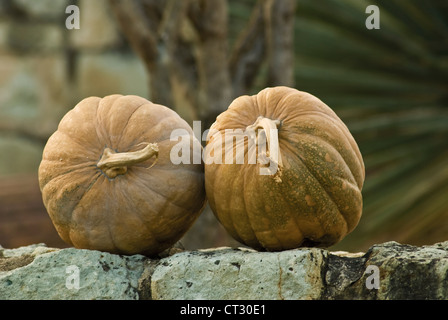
(45, 69)
(386, 271)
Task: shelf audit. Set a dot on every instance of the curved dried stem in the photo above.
(113, 164)
(272, 156)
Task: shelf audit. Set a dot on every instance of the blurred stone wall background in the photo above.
(45, 70)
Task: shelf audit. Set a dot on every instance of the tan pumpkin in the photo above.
(309, 193)
(108, 182)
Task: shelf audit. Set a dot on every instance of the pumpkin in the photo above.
(283, 171)
(107, 180)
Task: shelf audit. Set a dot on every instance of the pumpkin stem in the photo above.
(272, 156)
(113, 164)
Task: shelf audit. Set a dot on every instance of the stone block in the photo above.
(44, 273)
(34, 94)
(46, 9)
(110, 73)
(19, 155)
(98, 29)
(239, 274)
(31, 37)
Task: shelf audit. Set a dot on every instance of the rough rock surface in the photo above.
(386, 271)
(239, 274)
(38, 272)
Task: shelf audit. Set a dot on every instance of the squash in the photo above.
(108, 182)
(283, 171)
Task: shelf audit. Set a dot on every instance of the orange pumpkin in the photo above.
(292, 175)
(107, 180)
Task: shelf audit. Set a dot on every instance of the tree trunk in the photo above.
(280, 42)
(184, 46)
(214, 92)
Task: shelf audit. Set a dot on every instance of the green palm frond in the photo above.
(390, 86)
